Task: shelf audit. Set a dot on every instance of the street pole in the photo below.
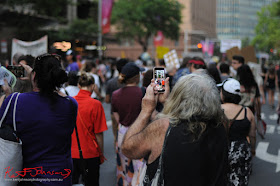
(99, 29)
(186, 39)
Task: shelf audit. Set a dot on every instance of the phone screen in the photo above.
(18, 71)
(159, 76)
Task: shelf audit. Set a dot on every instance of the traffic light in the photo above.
(271, 50)
(199, 45)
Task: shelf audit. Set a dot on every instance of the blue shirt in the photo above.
(72, 67)
(181, 72)
(45, 131)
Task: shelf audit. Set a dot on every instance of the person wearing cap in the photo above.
(112, 85)
(241, 124)
(72, 64)
(126, 106)
(196, 63)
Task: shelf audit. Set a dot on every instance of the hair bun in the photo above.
(85, 79)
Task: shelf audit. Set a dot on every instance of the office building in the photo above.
(236, 19)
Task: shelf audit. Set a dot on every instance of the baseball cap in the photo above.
(231, 85)
(131, 69)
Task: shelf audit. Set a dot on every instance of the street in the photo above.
(266, 163)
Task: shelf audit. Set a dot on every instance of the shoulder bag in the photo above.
(83, 163)
(10, 149)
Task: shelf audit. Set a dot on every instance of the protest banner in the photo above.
(33, 48)
(171, 58)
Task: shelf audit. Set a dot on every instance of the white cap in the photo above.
(230, 85)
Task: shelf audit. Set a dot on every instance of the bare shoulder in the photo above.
(250, 114)
(157, 127)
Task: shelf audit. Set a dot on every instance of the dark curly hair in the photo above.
(246, 77)
(49, 74)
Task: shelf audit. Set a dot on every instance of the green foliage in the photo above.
(55, 10)
(268, 28)
(78, 29)
(140, 19)
(245, 42)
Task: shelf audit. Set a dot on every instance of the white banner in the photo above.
(229, 43)
(33, 48)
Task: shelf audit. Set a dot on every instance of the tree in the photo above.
(141, 19)
(48, 12)
(268, 28)
(78, 29)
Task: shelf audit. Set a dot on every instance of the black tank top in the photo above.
(199, 163)
(239, 129)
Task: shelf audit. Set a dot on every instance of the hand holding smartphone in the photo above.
(159, 77)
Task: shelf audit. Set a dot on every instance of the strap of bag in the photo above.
(79, 145)
(160, 164)
(92, 138)
(232, 120)
(76, 131)
(6, 110)
(14, 112)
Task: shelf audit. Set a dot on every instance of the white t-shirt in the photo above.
(71, 90)
(97, 83)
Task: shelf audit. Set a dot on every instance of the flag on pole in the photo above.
(106, 15)
(158, 39)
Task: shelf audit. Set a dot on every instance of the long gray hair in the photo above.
(194, 100)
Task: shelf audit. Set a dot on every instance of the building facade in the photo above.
(198, 23)
(236, 19)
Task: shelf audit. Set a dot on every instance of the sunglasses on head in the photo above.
(40, 57)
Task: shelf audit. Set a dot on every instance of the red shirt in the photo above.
(93, 121)
(126, 102)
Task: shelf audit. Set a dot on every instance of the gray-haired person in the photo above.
(196, 147)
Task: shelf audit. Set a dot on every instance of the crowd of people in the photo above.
(200, 131)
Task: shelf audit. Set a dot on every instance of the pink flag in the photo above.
(158, 39)
(208, 47)
(106, 15)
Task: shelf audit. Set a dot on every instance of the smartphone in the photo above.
(18, 71)
(159, 77)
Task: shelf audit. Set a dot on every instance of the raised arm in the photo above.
(252, 132)
(135, 144)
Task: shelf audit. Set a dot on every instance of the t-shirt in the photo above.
(181, 72)
(97, 83)
(126, 102)
(72, 67)
(112, 85)
(45, 131)
(90, 121)
(70, 90)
